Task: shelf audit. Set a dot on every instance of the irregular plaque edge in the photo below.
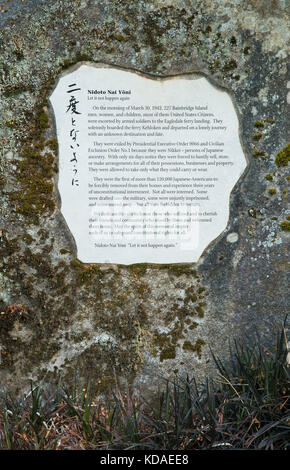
(194, 75)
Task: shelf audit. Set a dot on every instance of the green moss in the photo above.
(285, 226)
(259, 153)
(87, 273)
(140, 268)
(257, 136)
(64, 251)
(52, 144)
(34, 200)
(230, 65)
(43, 234)
(207, 31)
(233, 41)
(18, 53)
(179, 270)
(190, 295)
(34, 171)
(197, 347)
(2, 180)
(282, 158)
(27, 238)
(169, 353)
(13, 91)
(38, 262)
(187, 346)
(11, 123)
(269, 177)
(200, 310)
(42, 120)
(121, 38)
(8, 246)
(67, 63)
(201, 289)
(272, 191)
(259, 124)
(167, 342)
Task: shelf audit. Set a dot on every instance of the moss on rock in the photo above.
(283, 157)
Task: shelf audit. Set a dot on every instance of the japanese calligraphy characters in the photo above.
(74, 145)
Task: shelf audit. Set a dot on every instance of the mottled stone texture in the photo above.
(138, 322)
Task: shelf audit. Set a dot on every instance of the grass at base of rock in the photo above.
(246, 406)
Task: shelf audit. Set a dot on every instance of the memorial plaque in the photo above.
(146, 165)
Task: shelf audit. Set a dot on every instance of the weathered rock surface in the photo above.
(138, 322)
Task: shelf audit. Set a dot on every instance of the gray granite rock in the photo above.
(143, 321)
